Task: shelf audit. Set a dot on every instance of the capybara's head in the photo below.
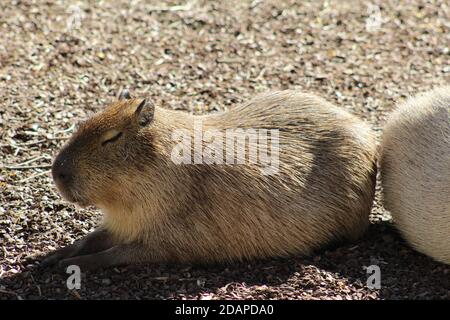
(103, 153)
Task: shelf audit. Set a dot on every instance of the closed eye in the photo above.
(113, 136)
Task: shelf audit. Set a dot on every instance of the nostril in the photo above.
(61, 173)
(64, 177)
(62, 169)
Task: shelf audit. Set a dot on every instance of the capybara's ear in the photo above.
(124, 94)
(144, 112)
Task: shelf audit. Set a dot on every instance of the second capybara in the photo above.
(415, 171)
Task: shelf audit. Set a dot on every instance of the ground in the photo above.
(62, 60)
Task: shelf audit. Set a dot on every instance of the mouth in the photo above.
(73, 197)
(82, 203)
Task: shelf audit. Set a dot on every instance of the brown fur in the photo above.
(415, 171)
(159, 211)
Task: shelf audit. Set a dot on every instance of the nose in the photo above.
(61, 170)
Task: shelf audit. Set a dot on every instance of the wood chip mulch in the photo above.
(63, 60)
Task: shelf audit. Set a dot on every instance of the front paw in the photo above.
(54, 257)
(49, 260)
(87, 262)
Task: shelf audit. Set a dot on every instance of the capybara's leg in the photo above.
(96, 241)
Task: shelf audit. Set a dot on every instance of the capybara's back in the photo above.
(415, 171)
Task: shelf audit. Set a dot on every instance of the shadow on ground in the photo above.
(331, 274)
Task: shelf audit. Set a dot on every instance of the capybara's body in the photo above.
(320, 188)
(415, 171)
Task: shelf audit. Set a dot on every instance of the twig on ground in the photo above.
(67, 130)
(17, 167)
(33, 160)
(185, 7)
(35, 176)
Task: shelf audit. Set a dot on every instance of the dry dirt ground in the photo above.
(62, 60)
